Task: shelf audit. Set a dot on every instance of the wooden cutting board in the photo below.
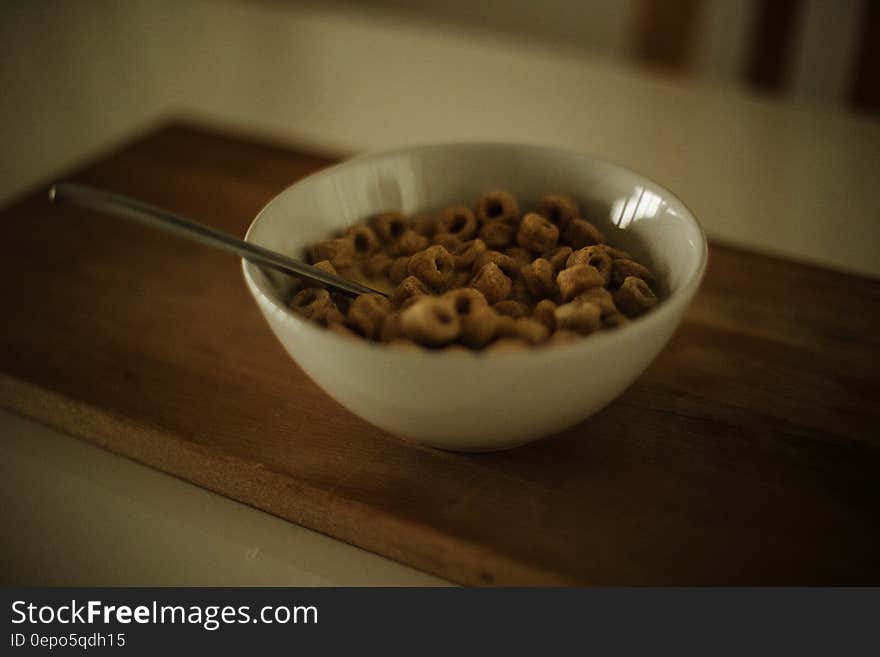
(747, 454)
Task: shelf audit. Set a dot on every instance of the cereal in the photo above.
(596, 256)
(511, 308)
(497, 234)
(458, 220)
(367, 313)
(559, 210)
(497, 205)
(315, 304)
(615, 320)
(581, 233)
(341, 301)
(600, 297)
(582, 256)
(519, 254)
(540, 278)
(519, 292)
(406, 303)
(434, 267)
(398, 269)
(431, 321)
(617, 254)
(537, 234)
(505, 263)
(448, 241)
(409, 287)
(424, 224)
(460, 279)
(623, 268)
(582, 318)
(392, 327)
(485, 278)
(466, 300)
(492, 282)
(544, 313)
(531, 330)
(339, 252)
(325, 266)
(479, 327)
(389, 226)
(565, 336)
(558, 257)
(467, 253)
(363, 238)
(378, 265)
(574, 280)
(307, 300)
(634, 297)
(408, 244)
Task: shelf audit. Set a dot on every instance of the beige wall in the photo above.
(601, 27)
(76, 75)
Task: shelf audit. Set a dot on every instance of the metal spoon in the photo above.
(129, 208)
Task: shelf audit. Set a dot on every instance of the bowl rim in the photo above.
(675, 302)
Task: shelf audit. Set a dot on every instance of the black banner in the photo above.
(416, 621)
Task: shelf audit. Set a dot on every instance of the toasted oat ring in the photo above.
(497, 205)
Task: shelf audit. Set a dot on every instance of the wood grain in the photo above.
(747, 453)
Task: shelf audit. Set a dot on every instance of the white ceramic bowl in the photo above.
(473, 401)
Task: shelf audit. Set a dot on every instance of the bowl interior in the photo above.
(635, 213)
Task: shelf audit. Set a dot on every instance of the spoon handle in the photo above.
(129, 208)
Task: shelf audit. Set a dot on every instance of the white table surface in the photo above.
(795, 181)
(73, 514)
